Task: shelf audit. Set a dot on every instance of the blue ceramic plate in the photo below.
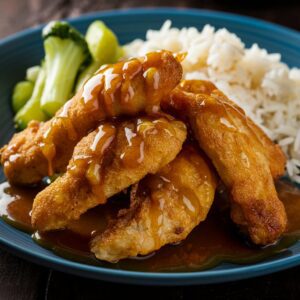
(24, 49)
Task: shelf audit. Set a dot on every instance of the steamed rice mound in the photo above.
(259, 82)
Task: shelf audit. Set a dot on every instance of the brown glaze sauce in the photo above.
(113, 87)
(168, 184)
(110, 92)
(212, 242)
(133, 154)
(135, 134)
(47, 145)
(90, 164)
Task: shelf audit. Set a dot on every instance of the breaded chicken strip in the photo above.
(125, 88)
(164, 209)
(272, 151)
(105, 162)
(245, 158)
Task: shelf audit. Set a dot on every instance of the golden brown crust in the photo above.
(165, 207)
(245, 158)
(126, 88)
(73, 193)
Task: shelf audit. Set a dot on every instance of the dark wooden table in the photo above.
(20, 279)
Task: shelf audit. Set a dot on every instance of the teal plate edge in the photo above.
(271, 36)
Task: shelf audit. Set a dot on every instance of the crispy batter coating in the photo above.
(272, 151)
(105, 162)
(164, 209)
(245, 158)
(125, 88)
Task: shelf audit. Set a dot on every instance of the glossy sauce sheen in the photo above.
(112, 91)
(167, 184)
(212, 242)
(47, 144)
(91, 163)
(135, 134)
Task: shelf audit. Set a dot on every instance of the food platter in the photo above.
(25, 49)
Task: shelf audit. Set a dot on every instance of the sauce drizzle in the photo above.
(125, 88)
(213, 242)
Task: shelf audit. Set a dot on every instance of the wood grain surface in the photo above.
(23, 280)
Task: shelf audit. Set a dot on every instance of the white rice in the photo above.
(259, 82)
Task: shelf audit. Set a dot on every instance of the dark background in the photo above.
(23, 280)
(16, 15)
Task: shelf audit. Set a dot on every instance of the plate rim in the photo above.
(140, 277)
(158, 278)
(259, 23)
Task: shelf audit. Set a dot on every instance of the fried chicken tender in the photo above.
(125, 88)
(245, 158)
(104, 163)
(164, 209)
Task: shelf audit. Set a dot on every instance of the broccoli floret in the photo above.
(66, 51)
(21, 94)
(32, 73)
(32, 110)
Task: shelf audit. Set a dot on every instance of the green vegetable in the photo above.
(32, 73)
(92, 68)
(66, 51)
(119, 53)
(104, 47)
(102, 42)
(87, 73)
(22, 92)
(32, 110)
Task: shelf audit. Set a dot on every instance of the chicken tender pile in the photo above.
(123, 89)
(165, 207)
(245, 158)
(136, 126)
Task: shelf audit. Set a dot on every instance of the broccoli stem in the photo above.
(32, 73)
(21, 94)
(102, 42)
(62, 62)
(87, 74)
(32, 110)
